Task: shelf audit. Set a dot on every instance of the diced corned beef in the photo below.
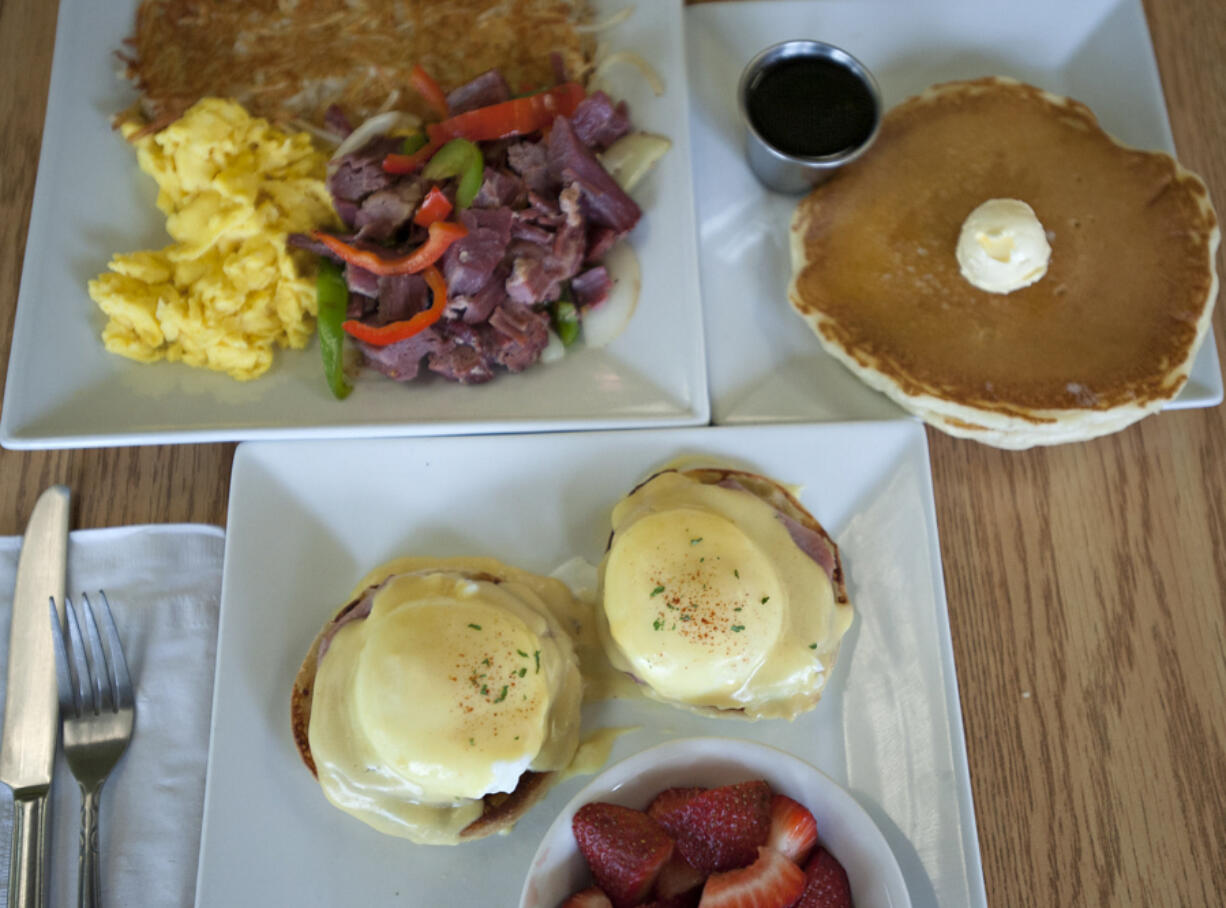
(531, 162)
(386, 211)
(598, 123)
(592, 287)
(402, 360)
(546, 209)
(308, 243)
(570, 244)
(499, 188)
(530, 282)
(462, 356)
(401, 296)
(336, 121)
(524, 229)
(469, 262)
(362, 281)
(522, 333)
(346, 210)
(477, 308)
(599, 241)
(488, 88)
(360, 306)
(571, 162)
(360, 173)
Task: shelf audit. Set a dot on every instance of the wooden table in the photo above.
(1086, 584)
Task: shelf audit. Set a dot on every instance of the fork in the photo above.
(97, 709)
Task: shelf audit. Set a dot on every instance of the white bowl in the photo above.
(843, 827)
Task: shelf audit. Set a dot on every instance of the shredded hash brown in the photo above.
(289, 60)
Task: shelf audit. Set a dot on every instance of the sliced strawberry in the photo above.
(793, 829)
(624, 848)
(721, 828)
(826, 884)
(677, 877)
(664, 809)
(588, 898)
(772, 881)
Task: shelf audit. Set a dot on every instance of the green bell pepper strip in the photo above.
(565, 317)
(332, 295)
(415, 142)
(458, 158)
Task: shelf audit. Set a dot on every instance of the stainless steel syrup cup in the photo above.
(788, 173)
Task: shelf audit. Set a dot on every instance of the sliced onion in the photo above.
(605, 321)
(616, 18)
(635, 60)
(631, 157)
(378, 125)
(554, 350)
(327, 136)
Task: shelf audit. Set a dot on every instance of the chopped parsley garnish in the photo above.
(485, 661)
(523, 671)
(537, 653)
(502, 695)
(471, 742)
(657, 591)
(485, 691)
(657, 624)
(736, 573)
(475, 627)
(737, 628)
(738, 608)
(765, 599)
(812, 646)
(696, 540)
(686, 617)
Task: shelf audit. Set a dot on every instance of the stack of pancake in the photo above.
(1104, 338)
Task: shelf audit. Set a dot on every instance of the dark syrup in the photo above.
(810, 107)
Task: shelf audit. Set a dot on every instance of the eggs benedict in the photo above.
(435, 704)
(722, 594)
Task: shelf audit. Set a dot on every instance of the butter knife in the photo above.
(31, 709)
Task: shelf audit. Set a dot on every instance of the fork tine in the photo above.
(121, 683)
(100, 673)
(69, 705)
(76, 649)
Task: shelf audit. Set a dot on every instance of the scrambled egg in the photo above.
(231, 187)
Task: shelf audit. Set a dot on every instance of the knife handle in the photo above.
(27, 864)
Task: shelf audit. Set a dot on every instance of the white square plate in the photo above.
(764, 363)
(91, 201)
(308, 519)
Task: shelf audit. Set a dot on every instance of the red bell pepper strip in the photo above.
(410, 163)
(509, 118)
(442, 235)
(382, 335)
(428, 89)
(518, 116)
(434, 207)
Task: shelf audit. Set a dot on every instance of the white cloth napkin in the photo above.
(164, 586)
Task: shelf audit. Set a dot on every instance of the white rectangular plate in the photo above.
(91, 201)
(764, 364)
(308, 520)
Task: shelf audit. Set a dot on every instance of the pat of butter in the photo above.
(1002, 246)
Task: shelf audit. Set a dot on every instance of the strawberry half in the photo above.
(720, 828)
(665, 808)
(677, 877)
(588, 898)
(793, 829)
(826, 884)
(624, 848)
(772, 881)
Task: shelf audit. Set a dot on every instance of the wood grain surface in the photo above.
(1086, 584)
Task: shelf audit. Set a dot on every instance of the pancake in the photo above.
(1106, 337)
